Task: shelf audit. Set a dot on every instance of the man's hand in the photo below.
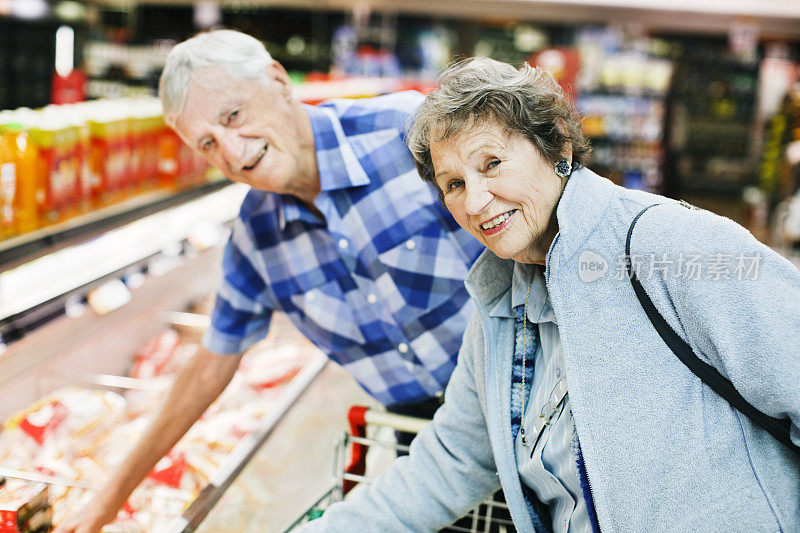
(90, 518)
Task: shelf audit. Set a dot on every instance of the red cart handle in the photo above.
(358, 417)
(358, 459)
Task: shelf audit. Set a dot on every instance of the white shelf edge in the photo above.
(65, 270)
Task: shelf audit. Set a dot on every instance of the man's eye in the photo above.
(232, 116)
(206, 146)
(492, 164)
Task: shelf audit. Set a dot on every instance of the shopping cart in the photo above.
(491, 516)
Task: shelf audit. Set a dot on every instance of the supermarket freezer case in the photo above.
(95, 351)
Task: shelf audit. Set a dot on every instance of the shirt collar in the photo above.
(337, 163)
(539, 308)
(291, 209)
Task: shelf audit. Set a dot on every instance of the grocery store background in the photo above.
(111, 229)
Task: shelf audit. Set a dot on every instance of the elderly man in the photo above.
(338, 231)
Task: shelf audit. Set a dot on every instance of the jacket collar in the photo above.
(586, 198)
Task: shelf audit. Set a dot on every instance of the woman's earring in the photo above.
(563, 168)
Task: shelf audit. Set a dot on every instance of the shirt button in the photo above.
(343, 244)
(371, 298)
(410, 244)
(558, 372)
(402, 347)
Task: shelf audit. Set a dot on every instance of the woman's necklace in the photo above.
(525, 356)
(556, 396)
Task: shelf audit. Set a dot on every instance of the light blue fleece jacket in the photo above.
(662, 451)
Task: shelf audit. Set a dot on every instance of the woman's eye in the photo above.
(232, 116)
(492, 164)
(454, 184)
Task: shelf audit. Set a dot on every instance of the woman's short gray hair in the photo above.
(527, 101)
(240, 54)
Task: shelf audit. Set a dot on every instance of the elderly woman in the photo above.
(565, 394)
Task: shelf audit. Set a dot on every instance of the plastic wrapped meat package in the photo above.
(83, 434)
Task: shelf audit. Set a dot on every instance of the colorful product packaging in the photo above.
(25, 507)
(57, 143)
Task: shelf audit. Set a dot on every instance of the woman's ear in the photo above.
(566, 150)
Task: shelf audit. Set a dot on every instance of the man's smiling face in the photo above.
(248, 129)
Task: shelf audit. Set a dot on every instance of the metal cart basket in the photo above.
(491, 516)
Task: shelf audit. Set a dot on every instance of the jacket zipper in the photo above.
(553, 304)
(514, 516)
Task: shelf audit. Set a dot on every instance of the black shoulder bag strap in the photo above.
(778, 428)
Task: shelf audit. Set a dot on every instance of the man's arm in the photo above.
(200, 382)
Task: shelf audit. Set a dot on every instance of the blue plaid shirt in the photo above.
(378, 283)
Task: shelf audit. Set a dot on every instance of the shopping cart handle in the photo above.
(358, 459)
(409, 424)
(358, 417)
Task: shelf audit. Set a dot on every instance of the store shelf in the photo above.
(313, 92)
(37, 363)
(28, 246)
(36, 292)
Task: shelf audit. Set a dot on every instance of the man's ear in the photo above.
(276, 72)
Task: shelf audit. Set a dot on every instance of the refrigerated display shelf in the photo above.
(67, 344)
(36, 292)
(94, 350)
(229, 469)
(28, 246)
(246, 450)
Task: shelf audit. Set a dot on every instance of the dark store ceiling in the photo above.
(779, 18)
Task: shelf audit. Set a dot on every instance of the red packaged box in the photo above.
(25, 508)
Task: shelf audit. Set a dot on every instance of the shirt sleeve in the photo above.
(240, 317)
(739, 310)
(450, 467)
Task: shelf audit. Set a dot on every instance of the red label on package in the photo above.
(47, 418)
(8, 521)
(155, 355)
(169, 470)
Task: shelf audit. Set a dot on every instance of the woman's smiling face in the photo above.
(498, 187)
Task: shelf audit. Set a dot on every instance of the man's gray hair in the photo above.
(241, 55)
(527, 101)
